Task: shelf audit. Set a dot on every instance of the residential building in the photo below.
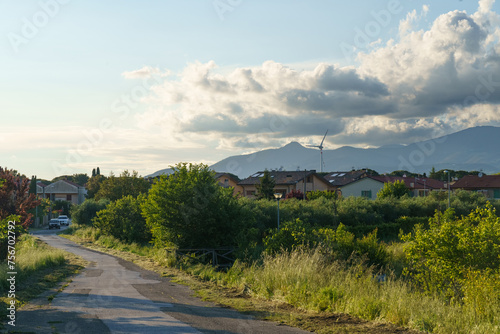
(62, 190)
(369, 186)
(228, 180)
(285, 182)
(488, 185)
(339, 179)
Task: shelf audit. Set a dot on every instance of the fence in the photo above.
(218, 257)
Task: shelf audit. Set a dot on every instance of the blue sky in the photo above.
(143, 85)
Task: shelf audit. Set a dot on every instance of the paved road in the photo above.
(116, 296)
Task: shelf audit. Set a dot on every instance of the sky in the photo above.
(143, 85)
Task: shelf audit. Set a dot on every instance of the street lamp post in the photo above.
(278, 197)
(448, 172)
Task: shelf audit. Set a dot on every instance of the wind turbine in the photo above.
(320, 146)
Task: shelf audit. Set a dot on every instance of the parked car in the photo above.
(64, 220)
(54, 223)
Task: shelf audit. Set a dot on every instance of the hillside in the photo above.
(471, 149)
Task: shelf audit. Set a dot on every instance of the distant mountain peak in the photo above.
(470, 149)
(293, 144)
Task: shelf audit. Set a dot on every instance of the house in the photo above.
(489, 185)
(339, 179)
(364, 187)
(228, 180)
(369, 186)
(285, 182)
(418, 186)
(62, 190)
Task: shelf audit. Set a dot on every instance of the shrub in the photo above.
(85, 212)
(441, 257)
(339, 243)
(312, 195)
(397, 189)
(123, 220)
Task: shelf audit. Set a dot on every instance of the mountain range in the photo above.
(475, 148)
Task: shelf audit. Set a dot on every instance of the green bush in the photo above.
(65, 206)
(188, 209)
(84, 213)
(440, 258)
(353, 211)
(340, 244)
(122, 219)
(312, 195)
(396, 189)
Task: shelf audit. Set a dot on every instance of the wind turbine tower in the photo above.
(320, 146)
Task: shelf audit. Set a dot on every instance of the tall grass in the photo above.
(31, 256)
(305, 280)
(94, 235)
(309, 280)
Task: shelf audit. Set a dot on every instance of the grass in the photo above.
(39, 268)
(306, 290)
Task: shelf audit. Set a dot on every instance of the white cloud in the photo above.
(144, 73)
(424, 84)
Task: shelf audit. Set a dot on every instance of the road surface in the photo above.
(115, 296)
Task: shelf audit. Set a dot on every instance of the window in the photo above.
(366, 193)
(496, 193)
(68, 197)
(250, 192)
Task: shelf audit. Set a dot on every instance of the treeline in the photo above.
(188, 209)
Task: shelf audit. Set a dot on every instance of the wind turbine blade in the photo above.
(321, 145)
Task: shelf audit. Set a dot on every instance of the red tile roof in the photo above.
(477, 182)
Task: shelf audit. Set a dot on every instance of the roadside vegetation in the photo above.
(407, 261)
(411, 262)
(39, 267)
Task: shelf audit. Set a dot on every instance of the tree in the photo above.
(402, 173)
(15, 198)
(80, 179)
(126, 184)
(94, 184)
(265, 188)
(123, 220)
(33, 185)
(397, 190)
(64, 207)
(433, 174)
(85, 212)
(188, 209)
